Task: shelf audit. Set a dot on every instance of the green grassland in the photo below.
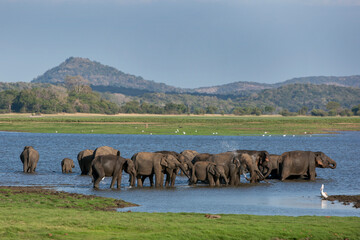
(168, 125)
(42, 215)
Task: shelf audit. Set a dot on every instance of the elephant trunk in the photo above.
(183, 169)
(332, 164)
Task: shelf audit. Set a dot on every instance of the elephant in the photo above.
(231, 164)
(303, 163)
(105, 150)
(111, 166)
(66, 165)
(201, 157)
(259, 156)
(148, 163)
(183, 160)
(249, 164)
(29, 157)
(190, 154)
(85, 158)
(208, 172)
(271, 169)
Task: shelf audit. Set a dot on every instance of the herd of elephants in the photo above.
(213, 169)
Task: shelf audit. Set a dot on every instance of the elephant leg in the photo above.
(119, 180)
(211, 180)
(97, 178)
(173, 178)
(168, 179)
(114, 177)
(139, 181)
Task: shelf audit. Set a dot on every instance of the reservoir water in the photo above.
(291, 197)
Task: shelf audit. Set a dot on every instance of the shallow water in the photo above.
(293, 198)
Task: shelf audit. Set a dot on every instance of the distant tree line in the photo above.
(76, 95)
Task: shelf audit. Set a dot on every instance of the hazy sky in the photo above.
(183, 43)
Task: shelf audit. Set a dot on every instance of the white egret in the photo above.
(323, 194)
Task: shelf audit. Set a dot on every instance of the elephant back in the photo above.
(105, 150)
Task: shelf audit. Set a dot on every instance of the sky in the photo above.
(183, 43)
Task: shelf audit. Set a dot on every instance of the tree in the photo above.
(77, 84)
(303, 110)
(211, 109)
(332, 105)
(7, 98)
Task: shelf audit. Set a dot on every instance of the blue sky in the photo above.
(183, 43)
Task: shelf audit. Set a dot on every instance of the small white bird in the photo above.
(323, 194)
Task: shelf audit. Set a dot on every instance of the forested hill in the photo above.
(105, 77)
(99, 74)
(347, 81)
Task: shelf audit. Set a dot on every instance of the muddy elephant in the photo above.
(271, 169)
(67, 165)
(85, 158)
(148, 164)
(171, 177)
(231, 164)
(111, 166)
(29, 157)
(303, 163)
(208, 172)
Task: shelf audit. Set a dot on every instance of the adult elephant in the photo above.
(171, 176)
(208, 172)
(67, 165)
(148, 164)
(111, 166)
(231, 164)
(29, 157)
(303, 163)
(85, 158)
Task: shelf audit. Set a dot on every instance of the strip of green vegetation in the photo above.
(179, 125)
(37, 215)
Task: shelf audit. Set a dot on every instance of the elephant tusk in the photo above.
(248, 179)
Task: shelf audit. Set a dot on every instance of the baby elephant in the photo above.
(66, 165)
(208, 172)
(111, 166)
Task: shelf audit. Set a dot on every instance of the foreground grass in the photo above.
(39, 216)
(177, 125)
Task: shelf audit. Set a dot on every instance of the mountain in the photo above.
(108, 79)
(99, 75)
(347, 81)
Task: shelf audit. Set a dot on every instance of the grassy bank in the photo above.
(43, 215)
(177, 125)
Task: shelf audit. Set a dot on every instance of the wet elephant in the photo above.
(303, 163)
(111, 166)
(148, 164)
(67, 165)
(271, 169)
(231, 164)
(248, 164)
(171, 176)
(208, 172)
(29, 157)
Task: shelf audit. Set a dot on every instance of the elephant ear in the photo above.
(164, 162)
(211, 169)
(318, 161)
(236, 162)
